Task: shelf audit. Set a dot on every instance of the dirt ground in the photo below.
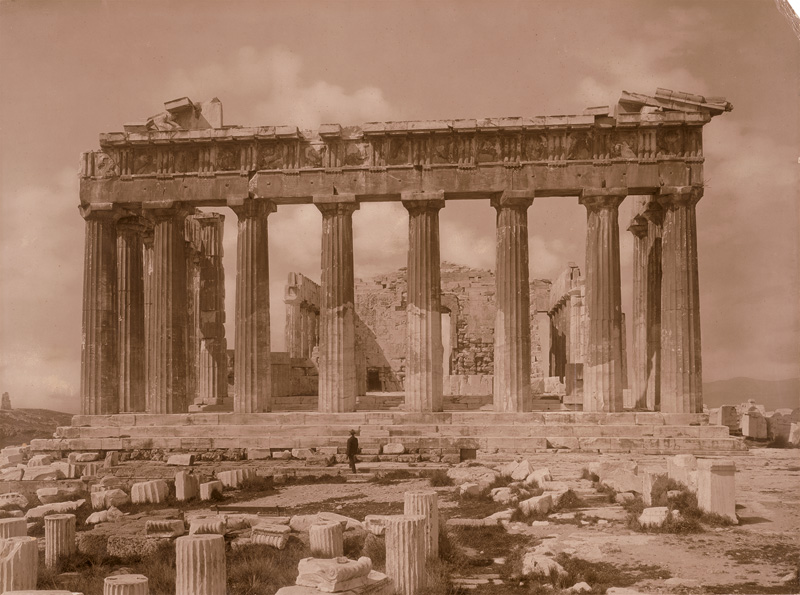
(753, 557)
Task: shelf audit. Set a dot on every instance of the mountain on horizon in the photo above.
(20, 426)
(773, 394)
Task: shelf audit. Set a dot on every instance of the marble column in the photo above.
(149, 319)
(423, 373)
(405, 553)
(425, 503)
(681, 365)
(19, 564)
(130, 312)
(638, 228)
(166, 373)
(326, 540)
(59, 538)
(337, 345)
(602, 371)
(654, 216)
(99, 376)
(126, 584)
(512, 332)
(212, 359)
(252, 366)
(200, 565)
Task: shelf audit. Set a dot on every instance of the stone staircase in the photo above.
(468, 434)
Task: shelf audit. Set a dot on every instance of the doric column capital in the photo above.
(653, 212)
(669, 196)
(512, 199)
(638, 226)
(97, 211)
(132, 224)
(336, 204)
(163, 210)
(251, 207)
(602, 198)
(423, 201)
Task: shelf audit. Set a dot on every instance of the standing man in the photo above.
(352, 450)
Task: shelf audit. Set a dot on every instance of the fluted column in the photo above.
(149, 319)
(603, 382)
(99, 377)
(59, 538)
(405, 553)
(654, 215)
(126, 584)
(638, 228)
(211, 365)
(19, 564)
(326, 540)
(252, 367)
(681, 365)
(337, 345)
(166, 373)
(200, 565)
(425, 503)
(512, 333)
(424, 351)
(13, 527)
(130, 312)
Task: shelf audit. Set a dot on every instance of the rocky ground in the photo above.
(590, 537)
(18, 426)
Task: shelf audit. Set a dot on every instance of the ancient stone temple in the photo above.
(152, 281)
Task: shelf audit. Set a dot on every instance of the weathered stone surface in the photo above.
(83, 457)
(12, 500)
(681, 468)
(208, 489)
(44, 510)
(521, 471)
(538, 476)
(165, 528)
(333, 575)
(469, 489)
(19, 559)
(181, 460)
(539, 565)
(208, 526)
(326, 540)
(126, 584)
(200, 565)
(235, 477)
(59, 538)
(149, 492)
(622, 481)
(376, 523)
(654, 517)
(270, 534)
(794, 434)
(536, 505)
(393, 449)
(300, 523)
(13, 527)
(754, 425)
(425, 503)
(42, 473)
(716, 487)
(405, 553)
(504, 495)
(187, 486)
(111, 460)
(40, 461)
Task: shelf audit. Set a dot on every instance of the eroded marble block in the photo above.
(126, 584)
(59, 538)
(333, 575)
(200, 565)
(270, 534)
(19, 559)
(716, 487)
(326, 540)
(149, 492)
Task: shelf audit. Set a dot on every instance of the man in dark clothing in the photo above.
(352, 450)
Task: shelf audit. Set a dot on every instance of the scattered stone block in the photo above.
(425, 503)
(394, 449)
(504, 496)
(501, 515)
(19, 563)
(40, 461)
(13, 527)
(300, 523)
(111, 460)
(654, 517)
(83, 457)
(259, 454)
(208, 489)
(283, 455)
(187, 486)
(376, 523)
(794, 434)
(98, 500)
(200, 565)
(302, 453)
(70, 470)
(725, 415)
(184, 460)
(234, 478)
(90, 469)
(45, 473)
(487, 522)
(622, 481)
(538, 476)
(126, 546)
(648, 479)
(540, 565)
(580, 588)
(12, 475)
(603, 468)
(681, 468)
(553, 486)
(333, 575)
(320, 460)
(716, 487)
(208, 526)
(13, 500)
(57, 494)
(536, 505)
(522, 471)
(149, 492)
(469, 489)
(625, 497)
(44, 510)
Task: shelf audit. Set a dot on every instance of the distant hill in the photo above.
(19, 426)
(773, 394)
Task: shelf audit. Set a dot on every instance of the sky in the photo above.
(70, 70)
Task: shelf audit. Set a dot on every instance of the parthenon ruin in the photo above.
(153, 316)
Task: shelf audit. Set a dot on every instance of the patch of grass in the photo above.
(316, 479)
(261, 570)
(602, 575)
(257, 484)
(438, 579)
(779, 442)
(438, 478)
(774, 554)
(375, 549)
(570, 500)
(353, 543)
(608, 492)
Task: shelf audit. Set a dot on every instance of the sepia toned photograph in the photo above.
(399, 297)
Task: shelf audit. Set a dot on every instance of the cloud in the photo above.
(275, 76)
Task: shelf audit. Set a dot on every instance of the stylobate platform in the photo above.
(420, 433)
